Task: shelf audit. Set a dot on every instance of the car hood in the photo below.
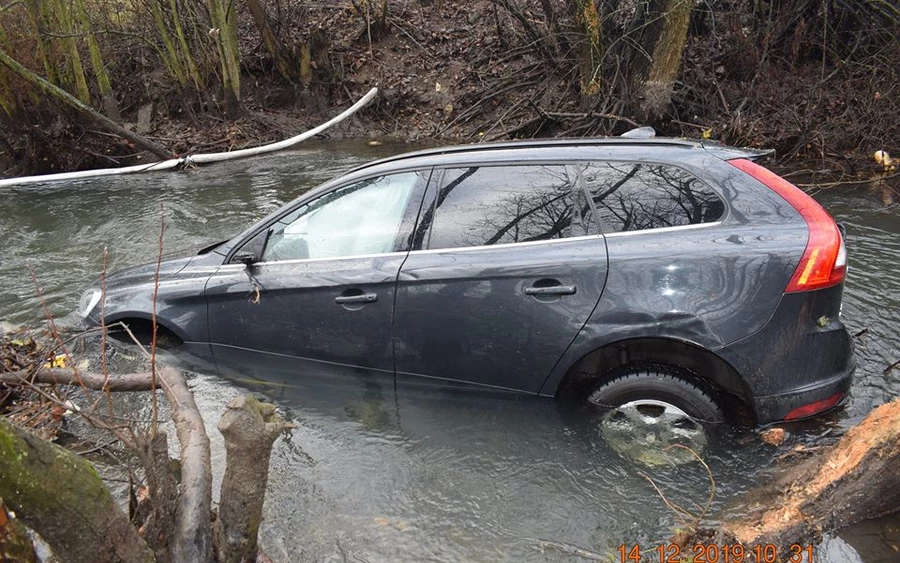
(146, 272)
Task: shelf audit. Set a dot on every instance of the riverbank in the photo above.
(455, 72)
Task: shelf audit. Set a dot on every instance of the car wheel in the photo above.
(645, 410)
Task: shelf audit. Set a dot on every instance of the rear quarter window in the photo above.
(632, 196)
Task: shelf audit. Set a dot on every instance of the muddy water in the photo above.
(375, 472)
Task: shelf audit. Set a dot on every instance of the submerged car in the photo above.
(672, 274)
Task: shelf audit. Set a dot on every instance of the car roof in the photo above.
(560, 148)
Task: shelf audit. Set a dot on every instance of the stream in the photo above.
(383, 473)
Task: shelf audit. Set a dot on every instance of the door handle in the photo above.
(551, 290)
(359, 298)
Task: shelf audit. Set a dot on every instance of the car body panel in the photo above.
(181, 307)
(804, 353)
(296, 314)
(463, 313)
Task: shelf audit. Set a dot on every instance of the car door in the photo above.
(321, 294)
(504, 272)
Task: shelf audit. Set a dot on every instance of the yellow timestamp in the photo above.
(713, 553)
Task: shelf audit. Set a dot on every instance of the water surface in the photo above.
(376, 472)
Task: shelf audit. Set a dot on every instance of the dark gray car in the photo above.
(651, 272)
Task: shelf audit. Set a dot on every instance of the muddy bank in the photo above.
(807, 83)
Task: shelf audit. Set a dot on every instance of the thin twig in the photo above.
(54, 332)
(103, 332)
(712, 481)
(154, 326)
(679, 512)
(847, 182)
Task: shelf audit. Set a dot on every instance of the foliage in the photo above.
(809, 77)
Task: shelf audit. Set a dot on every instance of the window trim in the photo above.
(665, 229)
(572, 239)
(507, 245)
(330, 259)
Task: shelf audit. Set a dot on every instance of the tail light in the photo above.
(811, 409)
(824, 262)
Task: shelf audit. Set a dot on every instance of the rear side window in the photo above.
(637, 196)
(487, 205)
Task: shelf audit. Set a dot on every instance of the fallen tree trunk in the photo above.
(854, 480)
(62, 497)
(55, 91)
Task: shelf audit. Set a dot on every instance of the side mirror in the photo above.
(246, 257)
(251, 252)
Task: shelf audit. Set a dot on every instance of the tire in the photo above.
(657, 386)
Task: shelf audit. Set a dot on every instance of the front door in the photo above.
(320, 298)
(504, 272)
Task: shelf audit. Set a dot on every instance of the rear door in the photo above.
(503, 273)
(320, 299)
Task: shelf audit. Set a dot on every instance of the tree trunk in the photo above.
(170, 57)
(66, 27)
(192, 533)
(282, 62)
(107, 97)
(591, 55)
(159, 512)
(37, 14)
(224, 23)
(9, 101)
(667, 52)
(62, 497)
(854, 480)
(101, 120)
(192, 68)
(249, 428)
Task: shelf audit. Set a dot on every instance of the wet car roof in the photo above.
(560, 149)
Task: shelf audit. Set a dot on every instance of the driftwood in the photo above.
(249, 428)
(88, 380)
(856, 479)
(192, 540)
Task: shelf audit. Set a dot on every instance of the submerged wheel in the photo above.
(656, 389)
(646, 409)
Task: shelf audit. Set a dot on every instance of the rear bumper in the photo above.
(779, 407)
(801, 358)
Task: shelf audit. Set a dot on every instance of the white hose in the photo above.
(197, 158)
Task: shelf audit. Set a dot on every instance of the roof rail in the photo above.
(539, 143)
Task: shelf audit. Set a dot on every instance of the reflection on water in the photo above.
(378, 472)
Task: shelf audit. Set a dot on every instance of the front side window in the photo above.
(487, 205)
(630, 196)
(362, 218)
